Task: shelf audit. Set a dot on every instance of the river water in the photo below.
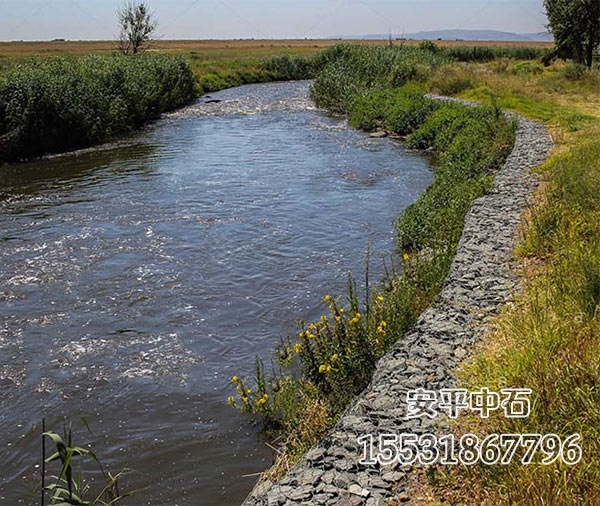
(137, 278)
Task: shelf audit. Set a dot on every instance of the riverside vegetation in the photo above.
(549, 338)
(60, 103)
(55, 104)
(73, 100)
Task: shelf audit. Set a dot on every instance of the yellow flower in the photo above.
(302, 335)
(309, 334)
(298, 347)
(379, 298)
(356, 318)
(338, 319)
(327, 298)
(405, 257)
(234, 379)
(334, 357)
(262, 400)
(231, 400)
(248, 391)
(324, 368)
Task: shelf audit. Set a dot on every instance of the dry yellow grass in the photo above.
(258, 47)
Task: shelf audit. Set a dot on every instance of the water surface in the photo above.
(137, 278)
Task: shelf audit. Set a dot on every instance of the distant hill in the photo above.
(484, 35)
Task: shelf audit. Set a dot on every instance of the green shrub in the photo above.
(489, 53)
(438, 123)
(288, 68)
(574, 71)
(528, 68)
(399, 111)
(55, 104)
(349, 72)
(470, 143)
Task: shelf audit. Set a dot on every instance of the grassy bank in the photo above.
(318, 373)
(549, 339)
(55, 104)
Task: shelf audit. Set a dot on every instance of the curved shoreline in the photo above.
(479, 283)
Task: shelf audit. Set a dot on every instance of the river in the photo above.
(136, 278)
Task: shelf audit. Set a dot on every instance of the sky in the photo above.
(228, 19)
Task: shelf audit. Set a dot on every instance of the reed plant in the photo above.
(69, 486)
(60, 103)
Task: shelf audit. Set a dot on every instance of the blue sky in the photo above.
(203, 19)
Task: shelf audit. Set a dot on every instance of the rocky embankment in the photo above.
(479, 283)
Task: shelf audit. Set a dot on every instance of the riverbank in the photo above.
(548, 338)
(337, 354)
(564, 100)
(479, 283)
(215, 65)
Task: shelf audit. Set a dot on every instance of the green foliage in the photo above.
(69, 486)
(523, 68)
(451, 79)
(470, 143)
(490, 53)
(574, 71)
(428, 45)
(349, 72)
(575, 25)
(288, 68)
(55, 104)
(549, 339)
(399, 110)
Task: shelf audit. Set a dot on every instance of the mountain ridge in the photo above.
(459, 34)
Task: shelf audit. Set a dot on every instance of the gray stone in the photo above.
(262, 488)
(358, 490)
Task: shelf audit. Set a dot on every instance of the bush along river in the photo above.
(137, 278)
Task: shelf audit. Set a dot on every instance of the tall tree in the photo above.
(575, 25)
(137, 26)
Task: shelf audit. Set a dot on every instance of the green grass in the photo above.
(548, 340)
(213, 76)
(352, 71)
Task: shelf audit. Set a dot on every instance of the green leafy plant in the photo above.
(68, 486)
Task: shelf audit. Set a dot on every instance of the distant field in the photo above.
(213, 49)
